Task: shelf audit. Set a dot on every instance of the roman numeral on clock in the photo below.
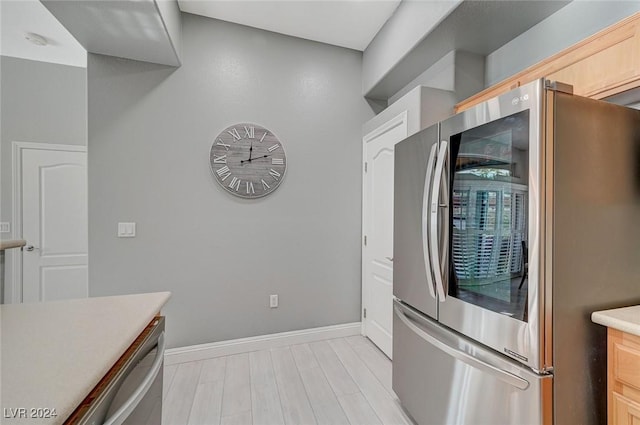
(250, 188)
(220, 159)
(221, 143)
(235, 183)
(265, 186)
(235, 134)
(277, 161)
(263, 136)
(223, 172)
(249, 132)
(276, 175)
(274, 147)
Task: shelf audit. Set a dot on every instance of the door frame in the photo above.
(400, 119)
(13, 285)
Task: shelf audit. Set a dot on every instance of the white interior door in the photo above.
(54, 224)
(377, 253)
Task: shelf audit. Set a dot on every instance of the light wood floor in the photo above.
(338, 381)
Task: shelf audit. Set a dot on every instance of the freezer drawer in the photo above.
(443, 378)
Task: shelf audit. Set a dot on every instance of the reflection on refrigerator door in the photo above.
(463, 383)
(492, 196)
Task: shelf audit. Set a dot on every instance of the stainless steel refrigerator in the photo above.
(514, 220)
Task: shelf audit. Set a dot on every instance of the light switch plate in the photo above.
(126, 230)
(5, 227)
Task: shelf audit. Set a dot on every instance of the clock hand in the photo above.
(250, 150)
(260, 157)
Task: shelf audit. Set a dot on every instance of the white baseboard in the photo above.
(254, 343)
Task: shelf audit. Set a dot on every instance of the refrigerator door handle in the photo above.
(503, 375)
(425, 219)
(433, 211)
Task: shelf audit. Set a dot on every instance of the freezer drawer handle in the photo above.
(505, 376)
(425, 219)
(123, 412)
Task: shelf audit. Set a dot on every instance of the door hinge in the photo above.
(365, 240)
(365, 167)
(558, 86)
(364, 313)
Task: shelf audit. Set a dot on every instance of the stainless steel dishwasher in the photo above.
(134, 395)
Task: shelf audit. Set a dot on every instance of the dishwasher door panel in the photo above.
(133, 396)
(145, 412)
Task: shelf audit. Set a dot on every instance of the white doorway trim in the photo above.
(400, 119)
(13, 288)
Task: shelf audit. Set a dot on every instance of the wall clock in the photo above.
(248, 160)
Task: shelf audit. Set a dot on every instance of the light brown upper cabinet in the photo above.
(602, 65)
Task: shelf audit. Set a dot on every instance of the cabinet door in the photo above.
(609, 67)
(625, 411)
(623, 358)
(626, 364)
(602, 65)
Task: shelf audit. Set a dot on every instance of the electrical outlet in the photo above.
(273, 301)
(5, 227)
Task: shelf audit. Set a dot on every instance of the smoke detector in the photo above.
(36, 39)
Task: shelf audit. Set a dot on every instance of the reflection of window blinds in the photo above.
(518, 234)
(504, 256)
(481, 210)
(487, 238)
(459, 247)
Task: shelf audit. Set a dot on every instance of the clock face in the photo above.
(248, 160)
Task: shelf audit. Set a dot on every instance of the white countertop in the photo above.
(626, 319)
(53, 354)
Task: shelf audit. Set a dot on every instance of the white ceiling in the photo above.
(345, 23)
(18, 17)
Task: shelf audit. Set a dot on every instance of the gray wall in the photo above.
(172, 19)
(40, 102)
(458, 71)
(150, 131)
(409, 24)
(566, 27)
